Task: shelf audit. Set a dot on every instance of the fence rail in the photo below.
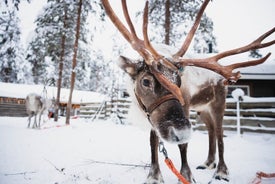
(104, 110)
(254, 117)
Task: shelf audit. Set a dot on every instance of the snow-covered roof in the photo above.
(22, 90)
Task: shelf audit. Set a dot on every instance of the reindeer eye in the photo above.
(146, 82)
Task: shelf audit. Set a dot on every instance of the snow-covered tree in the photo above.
(13, 67)
(57, 22)
(14, 2)
(172, 21)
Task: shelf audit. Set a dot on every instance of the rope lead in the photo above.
(170, 164)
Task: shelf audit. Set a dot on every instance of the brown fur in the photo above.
(170, 120)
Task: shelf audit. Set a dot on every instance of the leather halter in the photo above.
(155, 104)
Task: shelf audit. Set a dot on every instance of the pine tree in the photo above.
(52, 48)
(13, 67)
(173, 19)
(14, 2)
(47, 42)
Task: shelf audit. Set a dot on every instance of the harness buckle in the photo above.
(162, 149)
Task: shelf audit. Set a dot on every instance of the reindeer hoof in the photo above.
(154, 181)
(157, 179)
(221, 176)
(207, 166)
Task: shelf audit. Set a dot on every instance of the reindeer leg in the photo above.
(30, 116)
(35, 123)
(40, 114)
(154, 176)
(210, 163)
(222, 171)
(185, 170)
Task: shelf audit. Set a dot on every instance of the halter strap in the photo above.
(155, 104)
(160, 101)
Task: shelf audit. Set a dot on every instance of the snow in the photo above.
(104, 152)
(237, 93)
(22, 90)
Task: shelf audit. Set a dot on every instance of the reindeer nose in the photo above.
(174, 136)
(179, 135)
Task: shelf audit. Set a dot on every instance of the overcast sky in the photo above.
(236, 22)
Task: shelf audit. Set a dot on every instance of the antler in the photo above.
(191, 33)
(211, 63)
(152, 58)
(143, 47)
(131, 37)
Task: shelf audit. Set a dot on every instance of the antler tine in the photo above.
(256, 44)
(265, 35)
(145, 33)
(131, 37)
(128, 19)
(110, 12)
(192, 31)
(211, 63)
(249, 63)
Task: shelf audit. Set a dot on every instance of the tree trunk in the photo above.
(60, 68)
(167, 22)
(69, 104)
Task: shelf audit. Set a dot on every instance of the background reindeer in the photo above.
(166, 95)
(36, 105)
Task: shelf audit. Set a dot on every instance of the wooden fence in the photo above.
(12, 107)
(105, 109)
(14, 110)
(254, 117)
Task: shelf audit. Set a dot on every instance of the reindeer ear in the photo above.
(132, 67)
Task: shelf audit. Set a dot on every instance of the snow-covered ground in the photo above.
(103, 152)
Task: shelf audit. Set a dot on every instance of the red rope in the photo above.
(171, 166)
(260, 175)
(265, 175)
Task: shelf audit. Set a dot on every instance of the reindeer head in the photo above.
(164, 110)
(156, 78)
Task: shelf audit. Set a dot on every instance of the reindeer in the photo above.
(165, 94)
(36, 105)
